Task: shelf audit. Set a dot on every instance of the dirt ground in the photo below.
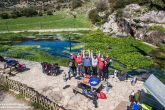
(10, 102)
(52, 87)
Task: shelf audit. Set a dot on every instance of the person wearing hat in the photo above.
(86, 62)
(94, 63)
(78, 60)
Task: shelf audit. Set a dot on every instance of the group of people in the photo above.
(89, 64)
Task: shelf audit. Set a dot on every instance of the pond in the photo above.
(59, 48)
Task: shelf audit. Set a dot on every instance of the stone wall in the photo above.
(29, 93)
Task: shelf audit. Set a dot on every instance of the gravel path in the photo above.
(50, 30)
(52, 87)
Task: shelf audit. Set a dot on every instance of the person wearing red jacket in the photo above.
(78, 60)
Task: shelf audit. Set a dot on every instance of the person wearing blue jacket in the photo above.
(87, 62)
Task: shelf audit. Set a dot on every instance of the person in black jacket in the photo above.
(105, 70)
(2, 59)
(72, 67)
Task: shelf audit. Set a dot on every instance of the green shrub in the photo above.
(5, 16)
(157, 28)
(119, 14)
(93, 16)
(29, 12)
(76, 3)
(16, 13)
(118, 4)
(102, 5)
(49, 13)
(40, 14)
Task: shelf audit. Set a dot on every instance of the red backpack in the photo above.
(102, 95)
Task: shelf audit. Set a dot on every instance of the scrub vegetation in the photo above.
(127, 51)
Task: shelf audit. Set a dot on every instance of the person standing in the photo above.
(78, 60)
(94, 63)
(72, 67)
(101, 65)
(133, 82)
(105, 70)
(132, 96)
(86, 62)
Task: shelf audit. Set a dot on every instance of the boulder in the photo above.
(116, 27)
(133, 7)
(155, 38)
(129, 10)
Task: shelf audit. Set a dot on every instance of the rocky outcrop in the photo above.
(155, 37)
(38, 4)
(136, 21)
(118, 27)
(153, 17)
(122, 26)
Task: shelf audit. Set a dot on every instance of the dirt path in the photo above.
(51, 30)
(52, 87)
(10, 102)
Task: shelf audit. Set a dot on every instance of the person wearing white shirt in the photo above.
(94, 63)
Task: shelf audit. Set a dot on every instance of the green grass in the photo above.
(76, 47)
(60, 20)
(157, 28)
(33, 53)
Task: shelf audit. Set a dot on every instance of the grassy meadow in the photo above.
(60, 19)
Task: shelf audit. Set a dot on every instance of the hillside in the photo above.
(41, 5)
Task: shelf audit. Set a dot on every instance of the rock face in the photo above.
(155, 37)
(136, 21)
(118, 27)
(38, 4)
(121, 27)
(153, 17)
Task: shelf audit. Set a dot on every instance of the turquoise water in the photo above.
(56, 47)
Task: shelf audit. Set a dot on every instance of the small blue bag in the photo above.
(94, 81)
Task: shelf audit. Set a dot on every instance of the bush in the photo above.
(16, 14)
(117, 4)
(29, 12)
(13, 16)
(156, 28)
(40, 14)
(93, 16)
(76, 3)
(5, 16)
(102, 5)
(119, 14)
(49, 13)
